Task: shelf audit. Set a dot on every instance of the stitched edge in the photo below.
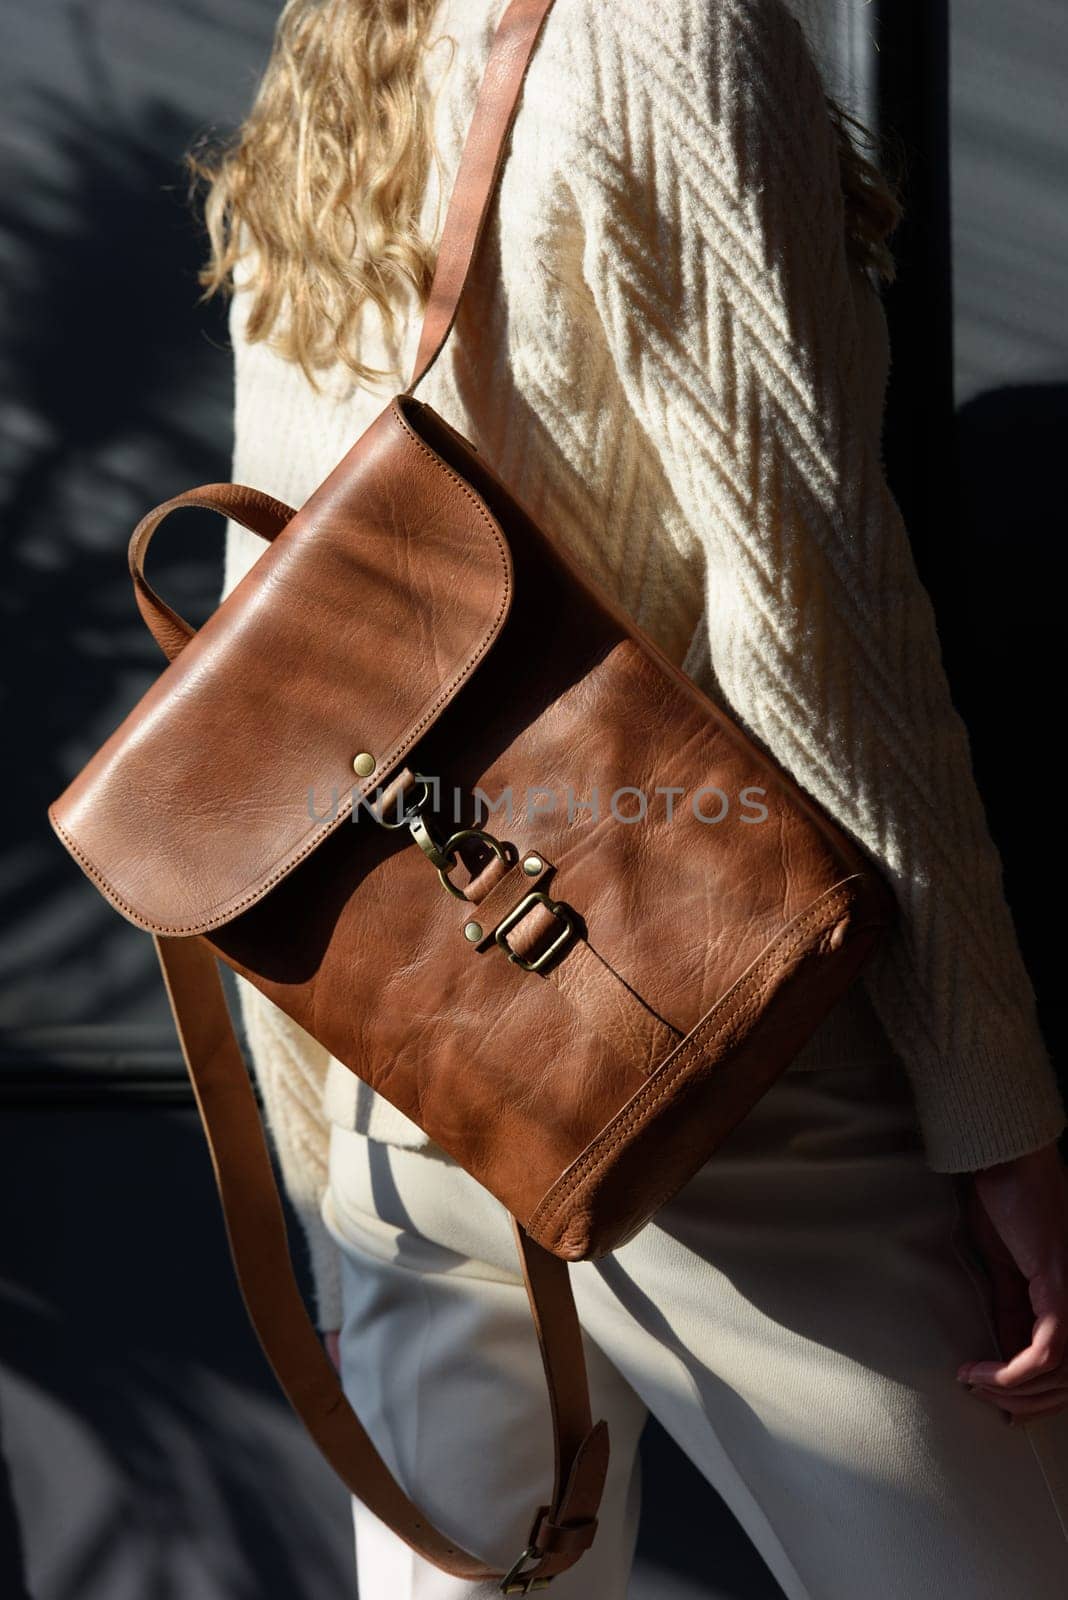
(663, 1079)
(217, 918)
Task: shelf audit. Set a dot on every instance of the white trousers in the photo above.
(794, 1319)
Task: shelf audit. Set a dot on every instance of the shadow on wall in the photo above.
(110, 407)
(1005, 663)
(151, 1454)
(12, 1549)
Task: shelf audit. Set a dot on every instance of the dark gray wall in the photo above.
(1007, 520)
(146, 1450)
(117, 393)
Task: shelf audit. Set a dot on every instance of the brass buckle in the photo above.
(558, 910)
(514, 1582)
(448, 850)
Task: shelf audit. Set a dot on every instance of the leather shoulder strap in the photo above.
(476, 179)
(561, 1529)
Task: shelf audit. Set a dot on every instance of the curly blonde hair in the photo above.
(323, 182)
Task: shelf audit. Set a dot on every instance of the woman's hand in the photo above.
(1019, 1217)
(333, 1348)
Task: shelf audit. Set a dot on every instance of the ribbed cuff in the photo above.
(1000, 1101)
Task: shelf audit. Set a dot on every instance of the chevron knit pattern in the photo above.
(664, 350)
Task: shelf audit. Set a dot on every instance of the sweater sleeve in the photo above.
(290, 1068)
(714, 252)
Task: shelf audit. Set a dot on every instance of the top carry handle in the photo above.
(564, 1527)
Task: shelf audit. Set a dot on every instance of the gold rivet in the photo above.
(532, 865)
(364, 764)
(473, 931)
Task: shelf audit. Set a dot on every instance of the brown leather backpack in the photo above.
(578, 1008)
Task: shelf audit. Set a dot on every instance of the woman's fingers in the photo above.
(1042, 1358)
(1034, 1382)
(1030, 1406)
(1047, 1384)
(1018, 1212)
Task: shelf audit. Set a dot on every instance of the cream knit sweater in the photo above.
(665, 353)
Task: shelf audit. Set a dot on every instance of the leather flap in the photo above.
(350, 635)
